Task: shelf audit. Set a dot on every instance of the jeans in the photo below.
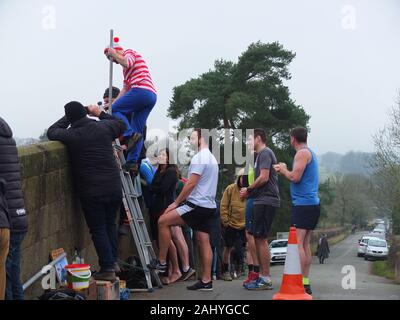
(14, 289)
(134, 108)
(214, 261)
(100, 214)
(4, 247)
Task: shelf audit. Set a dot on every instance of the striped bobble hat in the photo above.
(116, 44)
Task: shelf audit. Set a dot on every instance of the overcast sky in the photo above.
(345, 74)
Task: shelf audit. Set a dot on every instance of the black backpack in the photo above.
(132, 272)
(62, 294)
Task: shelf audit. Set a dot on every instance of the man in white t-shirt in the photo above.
(196, 207)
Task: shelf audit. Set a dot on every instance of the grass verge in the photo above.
(382, 269)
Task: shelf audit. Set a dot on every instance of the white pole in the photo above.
(110, 75)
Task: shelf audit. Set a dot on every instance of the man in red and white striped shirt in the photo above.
(135, 101)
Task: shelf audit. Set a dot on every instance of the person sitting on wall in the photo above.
(96, 175)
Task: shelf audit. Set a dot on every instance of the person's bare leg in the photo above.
(263, 256)
(227, 255)
(175, 272)
(167, 220)
(252, 248)
(308, 254)
(206, 255)
(301, 237)
(181, 246)
(249, 257)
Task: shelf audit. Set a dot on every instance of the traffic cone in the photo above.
(292, 281)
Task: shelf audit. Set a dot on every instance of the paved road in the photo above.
(326, 281)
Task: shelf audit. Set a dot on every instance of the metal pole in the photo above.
(111, 74)
(40, 274)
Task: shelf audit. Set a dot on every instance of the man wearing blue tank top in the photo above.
(305, 199)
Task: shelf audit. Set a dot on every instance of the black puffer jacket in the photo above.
(11, 173)
(89, 143)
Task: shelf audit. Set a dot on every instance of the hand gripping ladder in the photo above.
(131, 190)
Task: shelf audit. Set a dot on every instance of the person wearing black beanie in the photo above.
(74, 111)
(95, 174)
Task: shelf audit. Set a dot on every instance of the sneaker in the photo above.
(226, 276)
(259, 284)
(105, 276)
(132, 141)
(187, 275)
(252, 276)
(156, 265)
(307, 288)
(131, 167)
(201, 286)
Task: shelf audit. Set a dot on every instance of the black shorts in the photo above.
(262, 218)
(306, 217)
(197, 218)
(231, 235)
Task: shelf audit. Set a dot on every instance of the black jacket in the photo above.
(163, 187)
(89, 143)
(10, 171)
(4, 213)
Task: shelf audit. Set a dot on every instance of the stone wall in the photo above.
(54, 213)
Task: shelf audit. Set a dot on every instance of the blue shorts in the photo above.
(249, 213)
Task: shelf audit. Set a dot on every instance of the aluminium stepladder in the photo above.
(130, 190)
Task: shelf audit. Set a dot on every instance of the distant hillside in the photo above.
(350, 163)
(25, 141)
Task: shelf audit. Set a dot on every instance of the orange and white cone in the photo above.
(292, 281)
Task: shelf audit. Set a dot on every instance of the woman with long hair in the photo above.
(163, 187)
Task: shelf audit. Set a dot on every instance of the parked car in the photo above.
(376, 249)
(278, 250)
(379, 233)
(379, 221)
(362, 244)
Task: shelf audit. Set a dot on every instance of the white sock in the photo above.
(266, 278)
(186, 269)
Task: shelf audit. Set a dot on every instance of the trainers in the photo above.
(201, 286)
(226, 276)
(132, 141)
(252, 276)
(259, 284)
(131, 167)
(307, 288)
(156, 265)
(187, 275)
(105, 276)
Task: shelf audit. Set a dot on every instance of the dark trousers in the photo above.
(100, 214)
(14, 289)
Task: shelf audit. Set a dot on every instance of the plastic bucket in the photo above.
(78, 276)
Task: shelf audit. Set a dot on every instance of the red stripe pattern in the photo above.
(137, 74)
